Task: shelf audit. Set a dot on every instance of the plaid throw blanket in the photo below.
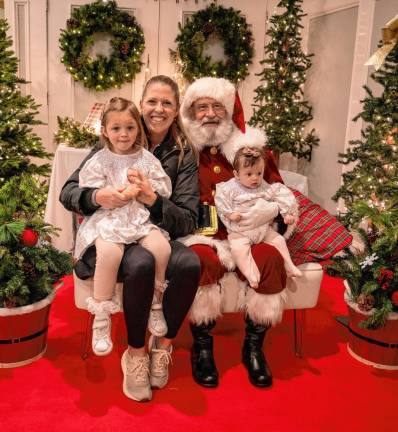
(318, 235)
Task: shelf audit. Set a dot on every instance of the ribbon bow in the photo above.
(390, 38)
(249, 152)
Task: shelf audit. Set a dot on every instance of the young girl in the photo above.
(123, 157)
(241, 192)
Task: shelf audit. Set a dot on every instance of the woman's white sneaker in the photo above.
(136, 384)
(159, 366)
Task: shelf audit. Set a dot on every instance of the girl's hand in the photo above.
(132, 175)
(110, 198)
(131, 191)
(146, 195)
(289, 219)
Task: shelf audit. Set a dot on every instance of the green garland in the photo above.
(231, 28)
(73, 134)
(127, 42)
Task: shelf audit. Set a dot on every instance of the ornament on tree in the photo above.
(124, 49)
(29, 237)
(390, 140)
(208, 28)
(75, 63)
(365, 302)
(72, 23)
(394, 298)
(29, 270)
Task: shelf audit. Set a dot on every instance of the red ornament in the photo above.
(29, 237)
(384, 278)
(394, 298)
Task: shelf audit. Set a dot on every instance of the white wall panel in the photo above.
(331, 38)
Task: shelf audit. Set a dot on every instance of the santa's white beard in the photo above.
(210, 135)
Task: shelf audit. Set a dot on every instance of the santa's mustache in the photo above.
(206, 121)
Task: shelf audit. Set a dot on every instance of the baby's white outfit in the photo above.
(125, 224)
(231, 197)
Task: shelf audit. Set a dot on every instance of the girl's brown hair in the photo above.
(176, 128)
(118, 104)
(247, 157)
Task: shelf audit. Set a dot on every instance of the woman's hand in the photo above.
(146, 195)
(110, 198)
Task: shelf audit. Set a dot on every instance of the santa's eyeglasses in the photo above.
(216, 107)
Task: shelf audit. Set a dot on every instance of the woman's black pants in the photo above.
(137, 271)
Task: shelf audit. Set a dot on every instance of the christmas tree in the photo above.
(370, 194)
(279, 108)
(29, 265)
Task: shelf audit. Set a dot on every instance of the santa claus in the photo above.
(207, 113)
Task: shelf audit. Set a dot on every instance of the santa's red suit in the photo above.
(265, 305)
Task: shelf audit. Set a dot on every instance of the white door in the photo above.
(70, 98)
(27, 23)
(334, 85)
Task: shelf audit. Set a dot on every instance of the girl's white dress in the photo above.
(232, 196)
(126, 224)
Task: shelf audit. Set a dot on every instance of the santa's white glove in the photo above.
(261, 213)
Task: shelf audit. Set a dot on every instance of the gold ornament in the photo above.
(390, 38)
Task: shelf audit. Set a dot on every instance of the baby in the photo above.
(239, 194)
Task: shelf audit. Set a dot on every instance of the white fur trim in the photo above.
(106, 307)
(20, 310)
(253, 137)
(219, 89)
(264, 309)
(221, 246)
(206, 306)
(232, 290)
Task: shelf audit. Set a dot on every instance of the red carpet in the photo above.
(327, 390)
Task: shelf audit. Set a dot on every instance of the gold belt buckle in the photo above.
(213, 228)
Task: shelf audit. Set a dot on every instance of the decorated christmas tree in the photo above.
(370, 194)
(29, 265)
(279, 107)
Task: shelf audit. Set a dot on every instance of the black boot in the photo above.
(253, 356)
(204, 369)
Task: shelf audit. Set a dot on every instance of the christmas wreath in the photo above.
(127, 42)
(234, 32)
